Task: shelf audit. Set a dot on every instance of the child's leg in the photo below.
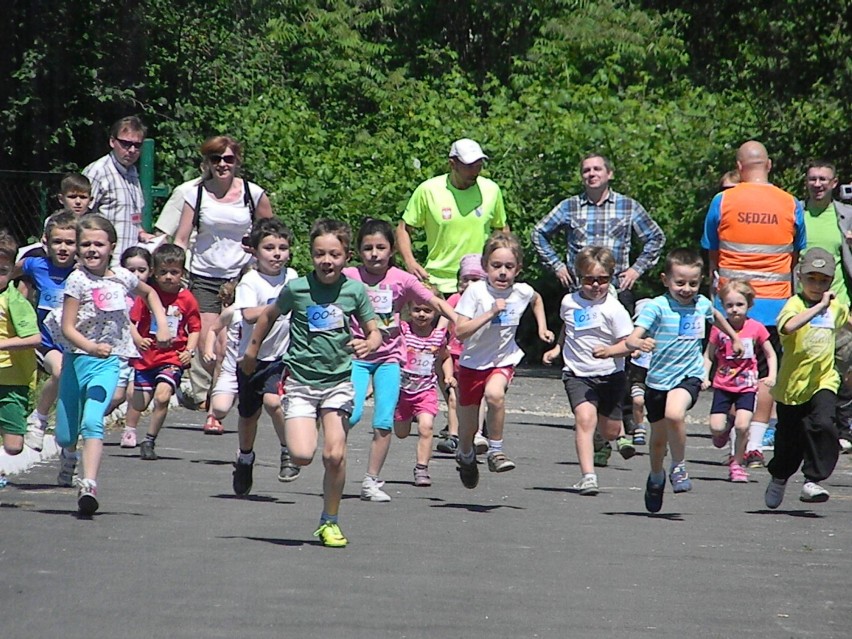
(68, 403)
(52, 362)
(468, 420)
(247, 432)
(742, 421)
(13, 444)
(386, 378)
(639, 409)
(495, 398)
(425, 422)
(301, 434)
(335, 432)
(99, 378)
(677, 403)
(162, 395)
(789, 441)
(402, 428)
(821, 448)
(272, 405)
(221, 404)
(658, 445)
(585, 421)
(361, 372)
(140, 399)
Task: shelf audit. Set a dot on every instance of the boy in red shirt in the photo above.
(158, 371)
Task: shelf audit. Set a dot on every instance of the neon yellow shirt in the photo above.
(17, 319)
(822, 231)
(457, 223)
(808, 362)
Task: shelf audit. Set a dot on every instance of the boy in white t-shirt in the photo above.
(270, 244)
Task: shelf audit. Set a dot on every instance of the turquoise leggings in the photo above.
(86, 387)
(386, 377)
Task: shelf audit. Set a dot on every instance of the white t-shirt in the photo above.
(102, 315)
(588, 324)
(218, 245)
(256, 289)
(494, 344)
(232, 342)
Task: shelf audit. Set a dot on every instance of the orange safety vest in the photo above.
(757, 231)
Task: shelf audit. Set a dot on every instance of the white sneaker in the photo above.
(587, 486)
(845, 445)
(813, 493)
(480, 444)
(371, 490)
(774, 494)
(34, 437)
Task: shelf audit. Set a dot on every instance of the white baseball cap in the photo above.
(467, 151)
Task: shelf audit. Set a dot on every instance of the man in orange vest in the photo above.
(754, 232)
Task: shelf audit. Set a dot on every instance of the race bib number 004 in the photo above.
(323, 318)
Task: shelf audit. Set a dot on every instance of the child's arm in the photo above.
(797, 321)
(446, 363)
(721, 322)
(142, 343)
(252, 313)
(70, 309)
(544, 334)
(222, 323)
(444, 309)
(20, 343)
(771, 364)
(637, 341)
(185, 356)
(620, 348)
(709, 356)
(152, 301)
(373, 339)
(467, 326)
(553, 353)
(261, 329)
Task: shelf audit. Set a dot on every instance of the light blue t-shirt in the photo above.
(678, 331)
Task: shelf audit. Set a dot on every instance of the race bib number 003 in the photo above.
(323, 318)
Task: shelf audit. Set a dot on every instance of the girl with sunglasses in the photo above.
(593, 348)
(221, 211)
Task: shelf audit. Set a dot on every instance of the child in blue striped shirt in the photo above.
(677, 322)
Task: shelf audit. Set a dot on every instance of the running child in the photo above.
(19, 337)
(389, 289)
(269, 240)
(138, 261)
(159, 371)
(426, 352)
(220, 350)
(637, 373)
(488, 316)
(806, 393)
(593, 351)
(676, 322)
(48, 275)
(318, 383)
(735, 382)
(470, 270)
(95, 334)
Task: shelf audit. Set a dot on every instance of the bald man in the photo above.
(754, 232)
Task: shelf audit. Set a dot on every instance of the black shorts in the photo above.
(636, 375)
(251, 388)
(206, 292)
(655, 400)
(723, 400)
(775, 340)
(604, 392)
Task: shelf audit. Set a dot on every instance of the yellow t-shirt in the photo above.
(808, 362)
(17, 319)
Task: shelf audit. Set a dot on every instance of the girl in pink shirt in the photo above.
(735, 382)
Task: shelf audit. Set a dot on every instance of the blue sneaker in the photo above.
(768, 442)
(640, 436)
(681, 483)
(654, 495)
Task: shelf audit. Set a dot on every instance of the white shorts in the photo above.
(125, 370)
(300, 400)
(226, 383)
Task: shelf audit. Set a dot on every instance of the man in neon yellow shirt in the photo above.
(458, 210)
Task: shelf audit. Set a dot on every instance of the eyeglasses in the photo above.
(588, 280)
(128, 144)
(227, 159)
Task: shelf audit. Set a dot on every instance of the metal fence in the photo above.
(26, 198)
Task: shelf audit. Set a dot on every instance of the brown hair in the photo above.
(338, 229)
(92, 222)
(217, 145)
(130, 123)
(61, 221)
(75, 183)
(683, 257)
(503, 239)
(592, 255)
(8, 245)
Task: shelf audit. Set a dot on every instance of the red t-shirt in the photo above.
(183, 317)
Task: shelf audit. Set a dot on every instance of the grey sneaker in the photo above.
(480, 444)
(468, 471)
(813, 493)
(587, 486)
(371, 490)
(288, 470)
(421, 477)
(34, 437)
(146, 450)
(499, 463)
(67, 467)
(449, 445)
(774, 494)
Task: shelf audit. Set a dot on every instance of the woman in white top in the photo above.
(221, 211)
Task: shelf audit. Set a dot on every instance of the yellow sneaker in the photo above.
(331, 535)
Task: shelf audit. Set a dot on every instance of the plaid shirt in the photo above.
(585, 223)
(117, 195)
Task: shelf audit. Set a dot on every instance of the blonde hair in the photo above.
(503, 239)
(592, 255)
(737, 286)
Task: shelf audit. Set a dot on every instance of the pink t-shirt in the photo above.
(388, 294)
(454, 345)
(419, 371)
(738, 375)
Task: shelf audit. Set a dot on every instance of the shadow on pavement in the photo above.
(803, 514)
(647, 515)
(276, 542)
(477, 508)
(259, 498)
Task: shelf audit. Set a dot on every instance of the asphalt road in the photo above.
(173, 553)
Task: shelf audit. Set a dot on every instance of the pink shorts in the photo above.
(472, 382)
(412, 404)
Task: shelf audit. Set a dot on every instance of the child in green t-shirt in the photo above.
(806, 392)
(318, 363)
(19, 337)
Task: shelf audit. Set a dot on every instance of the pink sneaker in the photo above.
(128, 438)
(737, 473)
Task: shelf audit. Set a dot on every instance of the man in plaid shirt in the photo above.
(600, 217)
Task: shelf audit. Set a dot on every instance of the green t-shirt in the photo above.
(17, 319)
(808, 362)
(319, 328)
(823, 232)
(457, 223)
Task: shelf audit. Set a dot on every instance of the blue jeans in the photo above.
(386, 379)
(86, 387)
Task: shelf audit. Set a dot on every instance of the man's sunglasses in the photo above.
(128, 144)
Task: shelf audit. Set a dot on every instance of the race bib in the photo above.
(323, 318)
(748, 348)
(509, 316)
(644, 360)
(420, 363)
(50, 298)
(109, 299)
(691, 327)
(381, 299)
(172, 320)
(586, 318)
(823, 320)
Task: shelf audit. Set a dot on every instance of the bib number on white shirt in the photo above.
(109, 299)
(509, 316)
(420, 363)
(586, 318)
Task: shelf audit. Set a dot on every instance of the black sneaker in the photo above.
(468, 472)
(450, 445)
(288, 471)
(444, 432)
(146, 450)
(654, 495)
(243, 477)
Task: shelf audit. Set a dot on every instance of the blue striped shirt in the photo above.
(678, 331)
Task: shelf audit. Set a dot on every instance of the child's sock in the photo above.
(150, 438)
(325, 517)
(755, 435)
(467, 457)
(658, 478)
(676, 464)
(41, 418)
(495, 445)
(246, 456)
(590, 476)
(421, 466)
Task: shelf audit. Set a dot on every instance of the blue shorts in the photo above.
(166, 374)
(386, 379)
(723, 400)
